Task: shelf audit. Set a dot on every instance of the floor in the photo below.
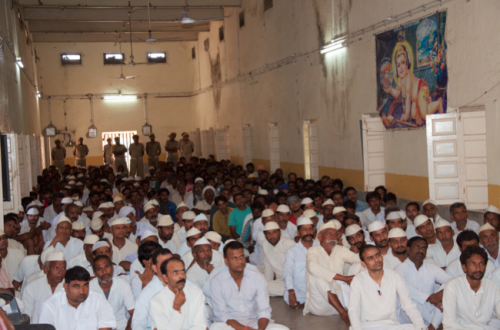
(295, 320)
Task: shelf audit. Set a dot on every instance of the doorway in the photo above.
(126, 138)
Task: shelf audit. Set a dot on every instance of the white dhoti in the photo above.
(120, 161)
(276, 288)
(318, 303)
(387, 325)
(253, 324)
(136, 167)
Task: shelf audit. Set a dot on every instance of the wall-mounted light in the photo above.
(38, 94)
(334, 45)
(119, 97)
(19, 62)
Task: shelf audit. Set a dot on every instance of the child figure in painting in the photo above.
(414, 91)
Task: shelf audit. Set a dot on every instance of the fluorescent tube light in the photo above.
(120, 97)
(19, 62)
(334, 45)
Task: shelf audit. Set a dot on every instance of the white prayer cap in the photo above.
(55, 255)
(182, 204)
(202, 241)
(88, 209)
(229, 240)
(339, 209)
(90, 239)
(442, 223)
(31, 204)
(104, 180)
(77, 225)
(376, 225)
(119, 221)
(148, 207)
(80, 175)
(352, 229)
(33, 211)
(271, 225)
(66, 200)
(198, 179)
(188, 215)
(301, 221)
(492, 209)
(147, 233)
(129, 179)
(305, 201)
(74, 198)
(207, 188)
(138, 178)
(103, 206)
(214, 237)
(20, 208)
(38, 203)
(127, 220)
(429, 201)
(68, 187)
(283, 208)
(78, 203)
(263, 192)
(309, 214)
(79, 184)
(110, 205)
(117, 199)
(63, 219)
(154, 202)
(396, 233)
(97, 214)
(126, 210)
(165, 220)
(100, 244)
(267, 213)
(96, 224)
(200, 217)
(394, 215)
(420, 219)
(328, 202)
(70, 177)
(329, 224)
(486, 226)
(193, 231)
(71, 182)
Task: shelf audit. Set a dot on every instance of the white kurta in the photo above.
(142, 319)
(290, 231)
(375, 307)
(472, 225)
(120, 298)
(94, 313)
(16, 245)
(274, 265)
(191, 317)
(73, 248)
(120, 254)
(465, 309)
(12, 261)
(217, 258)
(454, 269)
(79, 260)
(34, 294)
(496, 261)
(440, 256)
(198, 276)
(28, 266)
(257, 257)
(390, 261)
(367, 216)
(170, 244)
(49, 213)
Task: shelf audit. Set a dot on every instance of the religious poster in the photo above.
(412, 72)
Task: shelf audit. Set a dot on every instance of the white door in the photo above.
(220, 144)
(24, 164)
(210, 142)
(247, 145)
(311, 150)
(274, 147)
(15, 197)
(373, 152)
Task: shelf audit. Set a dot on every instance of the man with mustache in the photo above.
(116, 291)
(397, 243)
(460, 215)
(492, 216)
(324, 268)
(166, 234)
(488, 238)
(448, 250)
(420, 276)
(150, 217)
(465, 239)
(77, 307)
(356, 238)
(378, 234)
(294, 274)
(424, 226)
(177, 306)
(470, 300)
(204, 265)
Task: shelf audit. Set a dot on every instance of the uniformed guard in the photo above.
(119, 151)
(58, 154)
(171, 146)
(153, 149)
(80, 151)
(186, 147)
(136, 151)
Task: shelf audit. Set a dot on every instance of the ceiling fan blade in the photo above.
(164, 39)
(211, 19)
(130, 77)
(139, 39)
(167, 22)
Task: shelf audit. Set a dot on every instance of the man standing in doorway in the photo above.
(136, 151)
(58, 154)
(119, 150)
(171, 147)
(80, 151)
(153, 149)
(107, 155)
(186, 147)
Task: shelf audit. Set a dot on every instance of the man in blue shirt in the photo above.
(237, 217)
(165, 204)
(351, 195)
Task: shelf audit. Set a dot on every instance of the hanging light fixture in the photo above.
(92, 132)
(146, 129)
(50, 130)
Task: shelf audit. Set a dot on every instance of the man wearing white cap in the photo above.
(215, 240)
(275, 248)
(97, 228)
(420, 277)
(492, 216)
(116, 290)
(55, 208)
(397, 219)
(397, 242)
(121, 246)
(201, 223)
(150, 216)
(32, 231)
(261, 216)
(118, 202)
(64, 202)
(488, 238)
(294, 274)
(35, 293)
(192, 236)
(429, 208)
(374, 296)
(187, 223)
(448, 250)
(202, 267)
(375, 212)
(288, 229)
(424, 226)
(339, 213)
(311, 214)
(85, 258)
(78, 230)
(460, 215)
(379, 236)
(103, 247)
(355, 237)
(326, 286)
(166, 234)
(205, 204)
(63, 241)
(328, 207)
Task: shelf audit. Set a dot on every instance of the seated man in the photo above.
(275, 248)
(379, 236)
(460, 215)
(374, 296)
(203, 265)
(121, 245)
(10, 257)
(177, 305)
(192, 236)
(397, 242)
(85, 258)
(77, 307)
(469, 300)
(70, 246)
(325, 266)
(465, 239)
(244, 286)
(488, 237)
(166, 234)
(188, 218)
(288, 229)
(424, 226)
(448, 250)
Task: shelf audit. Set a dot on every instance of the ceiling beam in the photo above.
(133, 3)
(112, 27)
(108, 37)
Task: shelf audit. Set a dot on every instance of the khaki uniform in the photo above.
(153, 150)
(81, 152)
(108, 154)
(58, 155)
(120, 160)
(172, 156)
(186, 149)
(136, 164)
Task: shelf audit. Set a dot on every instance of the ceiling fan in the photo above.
(122, 76)
(187, 20)
(151, 39)
(132, 63)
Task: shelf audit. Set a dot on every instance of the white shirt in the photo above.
(31, 278)
(182, 234)
(120, 254)
(197, 275)
(12, 261)
(367, 216)
(259, 238)
(16, 245)
(294, 273)
(191, 317)
(390, 261)
(170, 244)
(142, 319)
(34, 294)
(94, 313)
(420, 284)
(436, 252)
(79, 260)
(73, 248)
(188, 199)
(495, 262)
(367, 306)
(28, 266)
(274, 261)
(465, 309)
(183, 249)
(472, 225)
(120, 298)
(454, 269)
(49, 213)
(217, 258)
(410, 230)
(290, 231)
